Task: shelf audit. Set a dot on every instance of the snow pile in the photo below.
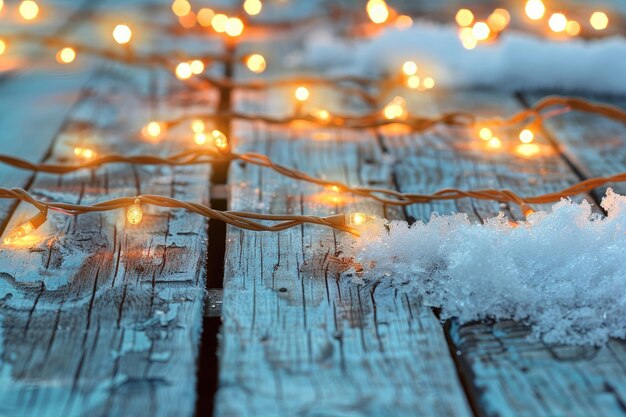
(563, 272)
(516, 61)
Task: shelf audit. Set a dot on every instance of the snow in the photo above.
(516, 61)
(562, 272)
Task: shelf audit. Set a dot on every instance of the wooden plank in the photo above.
(299, 339)
(506, 374)
(100, 317)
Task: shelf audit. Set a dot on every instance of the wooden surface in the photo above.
(102, 318)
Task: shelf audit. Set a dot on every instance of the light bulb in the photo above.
(301, 93)
(28, 10)
(181, 8)
(153, 130)
(498, 20)
(526, 136)
(321, 114)
(403, 22)
(468, 40)
(377, 11)
(409, 68)
(205, 17)
(134, 213)
(234, 27)
(197, 126)
(413, 82)
(220, 140)
(84, 153)
(557, 22)
(122, 34)
(485, 133)
(396, 109)
(3, 46)
(428, 83)
(256, 63)
(66, 55)
(200, 138)
(218, 23)
(357, 219)
(252, 7)
(481, 31)
(196, 66)
(535, 9)
(599, 20)
(26, 228)
(573, 28)
(464, 17)
(494, 143)
(183, 71)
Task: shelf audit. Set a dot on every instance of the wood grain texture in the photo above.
(299, 339)
(100, 317)
(505, 373)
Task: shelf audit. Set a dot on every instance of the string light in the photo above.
(256, 63)
(26, 228)
(29, 10)
(220, 140)
(464, 17)
(413, 81)
(197, 126)
(428, 83)
(3, 46)
(526, 136)
(599, 20)
(357, 219)
(535, 9)
(1, 4)
(481, 31)
(153, 130)
(396, 109)
(557, 22)
(233, 27)
(301, 93)
(134, 213)
(485, 133)
(122, 34)
(498, 20)
(377, 11)
(181, 7)
(66, 55)
(494, 143)
(205, 17)
(468, 40)
(196, 66)
(84, 153)
(183, 71)
(200, 138)
(252, 7)
(573, 28)
(527, 149)
(321, 114)
(218, 23)
(409, 68)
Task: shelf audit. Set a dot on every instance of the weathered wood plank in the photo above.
(100, 317)
(507, 374)
(299, 339)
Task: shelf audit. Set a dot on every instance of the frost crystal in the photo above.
(562, 272)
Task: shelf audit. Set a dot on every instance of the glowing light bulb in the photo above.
(481, 31)
(188, 21)
(1, 4)
(181, 7)
(557, 22)
(357, 219)
(499, 20)
(200, 138)
(321, 114)
(205, 17)
(66, 55)
(526, 136)
(256, 63)
(468, 40)
(153, 130)
(494, 143)
(599, 20)
(428, 83)
(122, 34)
(485, 133)
(396, 109)
(403, 22)
(409, 68)
(220, 140)
(218, 23)
(134, 213)
(183, 71)
(464, 17)
(535, 9)
(252, 7)
(527, 149)
(3, 46)
(88, 153)
(29, 10)
(301, 93)
(413, 82)
(26, 228)
(196, 66)
(377, 11)
(234, 27)
(197, 126)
